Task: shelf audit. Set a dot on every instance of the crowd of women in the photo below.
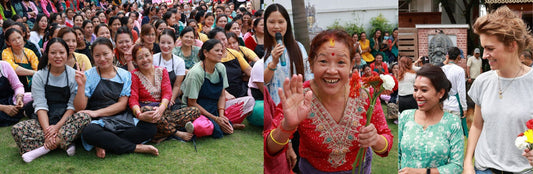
(116, 78)
(308, 101)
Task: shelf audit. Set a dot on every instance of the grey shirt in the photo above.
(39, 82)
(503, 120)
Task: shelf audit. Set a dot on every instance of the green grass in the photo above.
(387, 164)
(240, 152)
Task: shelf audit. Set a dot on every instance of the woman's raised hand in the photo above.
(80, 75)
(296, 104)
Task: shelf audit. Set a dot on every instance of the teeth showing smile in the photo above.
(331, 81)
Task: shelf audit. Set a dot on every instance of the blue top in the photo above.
(93, 78)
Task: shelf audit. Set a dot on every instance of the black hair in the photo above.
(8, 23)
(16, 17)
(43, 62)
(36, 23)
(256, 22)
(85, 22)
(97, 28)
(437, 77)
(214, 32)
(11, 31)
(124, 20)
(167, 32)
(232, 35)
(22, 26)
(102, 41)
(199, 15)
(112, 19)
(453, 53)
(167, 15)
(258, 13)
(123, 30)
(295, 54)
(207, 46)
(227, 28)
(186, 30)
(54, 16)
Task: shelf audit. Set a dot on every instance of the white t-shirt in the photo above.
(503, 120)
(256, 75)
(475, 66)
(456, 75)
(179, 64)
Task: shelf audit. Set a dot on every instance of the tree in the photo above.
(300, 22)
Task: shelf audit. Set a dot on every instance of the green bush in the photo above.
(380, 22)
(350, 27)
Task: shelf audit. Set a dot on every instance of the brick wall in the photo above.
(461, 33)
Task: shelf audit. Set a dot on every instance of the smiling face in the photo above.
(166, 43)
(57, 55)
(222, 21)
(79, 36)
(124, 42)
(78, 21)
(276, 23)
(425, 94)
(498, 55)
(188, 38)
(103, 56)
(331, 68)
(70, 39)
(115, 25)
(235, 28)
(103, 32)
(143, 59)
(161, 27)
(215, 54)
(150, 37)
(209, 20)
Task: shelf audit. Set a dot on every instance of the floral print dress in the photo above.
(439, 146)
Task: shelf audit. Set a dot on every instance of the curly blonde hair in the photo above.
(507, 26)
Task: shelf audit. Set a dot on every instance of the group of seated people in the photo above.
(134, 89)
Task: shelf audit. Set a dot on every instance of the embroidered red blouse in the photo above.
(330, 146)
(142, 90)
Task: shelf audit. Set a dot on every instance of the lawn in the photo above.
(387, 164)
(241, 152)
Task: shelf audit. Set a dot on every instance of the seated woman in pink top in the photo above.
(12, 98)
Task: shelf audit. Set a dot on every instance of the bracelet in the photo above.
(385, 148)
(272, 69)
(221, 108)
(281, 144)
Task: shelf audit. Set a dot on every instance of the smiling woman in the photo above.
(330, 123)
(501, 96)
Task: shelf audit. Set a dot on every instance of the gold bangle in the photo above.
(271, 137)
(385, 148)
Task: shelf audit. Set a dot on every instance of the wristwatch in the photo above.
(428, 171)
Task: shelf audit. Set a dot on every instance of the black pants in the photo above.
(119, 143)
(406, 102)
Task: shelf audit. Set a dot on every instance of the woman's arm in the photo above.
(192, 102)
(112, 109)
(474, 133)
(176, 90)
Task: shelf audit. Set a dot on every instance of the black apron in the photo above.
(105, 94)
(6, 98)
(57, 99)
(259, 49)
(171, 74)
(25, 80)
(208, 99)
(237, 87)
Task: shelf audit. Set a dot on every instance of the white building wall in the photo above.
(347, 11)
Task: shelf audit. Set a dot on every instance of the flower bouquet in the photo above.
(525, 141)
(380, 84)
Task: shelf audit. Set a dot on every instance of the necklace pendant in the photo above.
(500, 94)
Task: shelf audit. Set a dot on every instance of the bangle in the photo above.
(385, 148)
(271, 137)
(221, 109)
(272, 69)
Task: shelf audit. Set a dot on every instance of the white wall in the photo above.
(347, 11)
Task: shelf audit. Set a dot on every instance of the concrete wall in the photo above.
(347, 11)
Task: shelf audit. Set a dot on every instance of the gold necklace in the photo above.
(500, 90)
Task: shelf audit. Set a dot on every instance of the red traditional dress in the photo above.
(332, 146)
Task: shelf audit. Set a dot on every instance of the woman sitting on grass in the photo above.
(103, 95)
(53, 91)
(151, 91)
(204, 88)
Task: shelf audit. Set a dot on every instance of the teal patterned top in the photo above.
(440, 146)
